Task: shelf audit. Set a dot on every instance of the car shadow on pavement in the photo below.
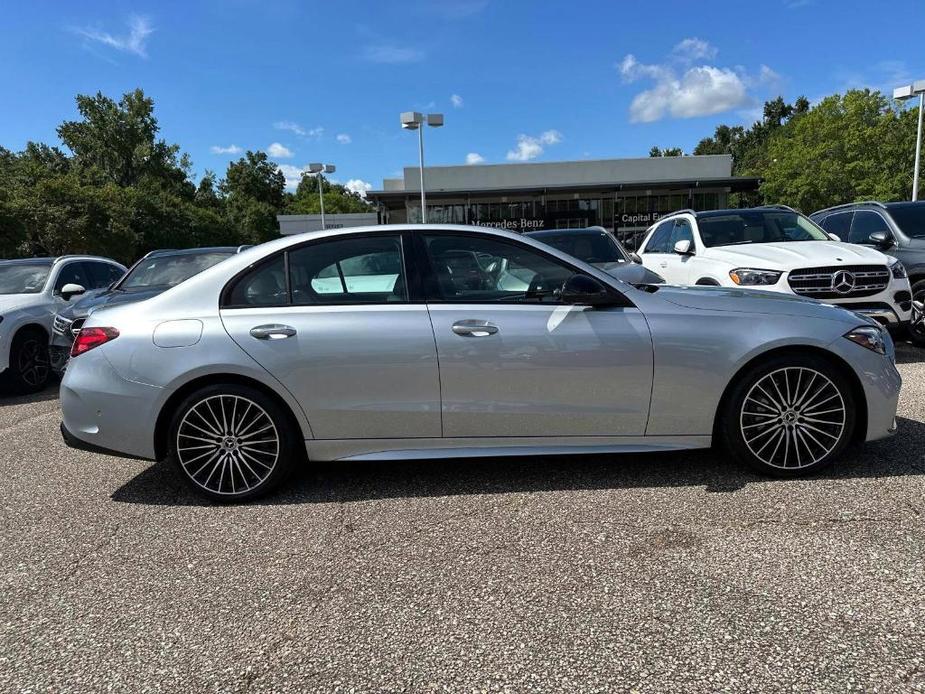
(340, 482)
(49, 393)
(907, 353)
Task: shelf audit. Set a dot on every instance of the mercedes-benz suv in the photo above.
(775, 248)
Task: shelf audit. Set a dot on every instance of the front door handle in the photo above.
(474, 328)
(272, 332)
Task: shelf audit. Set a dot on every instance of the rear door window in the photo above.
(838, 224)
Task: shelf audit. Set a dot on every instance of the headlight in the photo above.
(898, 270)
(747, 276)
(869, 337)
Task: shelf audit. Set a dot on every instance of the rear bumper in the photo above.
(73, 442)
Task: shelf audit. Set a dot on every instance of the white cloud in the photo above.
(292, 174)
(134, 42)
(230, 149)
(344, 139)
(529, 147)
(474, 158)
(692, 49)
(390, 54)
(698, 91)
(279, 151)
(456, 100)
(358, 185)
(290, 126)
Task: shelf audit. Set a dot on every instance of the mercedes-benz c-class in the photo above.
(449, 341)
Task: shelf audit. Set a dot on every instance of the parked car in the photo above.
(777, 249)
(156, 272)
(241, 371)
(894, 228)
(31, 291)
(599, 248)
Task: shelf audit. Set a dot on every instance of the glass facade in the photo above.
(627, 214)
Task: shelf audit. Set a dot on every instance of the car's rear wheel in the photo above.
(29, 370)
(917, 321)
(790, 416)
(232, 442)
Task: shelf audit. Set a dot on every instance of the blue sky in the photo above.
(518, 81)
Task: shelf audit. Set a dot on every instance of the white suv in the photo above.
(777, 249)
(32, 290)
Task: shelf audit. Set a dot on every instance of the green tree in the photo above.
(667, 152)
(848, 147)
(337, 199)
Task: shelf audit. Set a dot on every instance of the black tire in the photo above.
(224, 429)
(29, 369)
(802, 426)
(917, 323)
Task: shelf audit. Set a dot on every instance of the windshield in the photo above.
(591, 248)
(910, 219)
(23, 278)
(169, 270)
(758, 226)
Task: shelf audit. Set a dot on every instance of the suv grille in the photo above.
(839, 281)
(61, 325)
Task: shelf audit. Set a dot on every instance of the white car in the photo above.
(32, 290)
(777, 249)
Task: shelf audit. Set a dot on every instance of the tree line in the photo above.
(117, 189)
(847, 147)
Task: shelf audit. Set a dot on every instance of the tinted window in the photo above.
(681, 231)
(101, 275)
(658, 243)
(265, 285)
(72, 273)
(360, 270)
(864, 224)
(475, 269)
(23, 278)
(169, 270)
(910, 218)
(597, 247)
(757, 226)
(838, 224)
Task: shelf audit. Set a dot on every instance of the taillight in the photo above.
(88, 338)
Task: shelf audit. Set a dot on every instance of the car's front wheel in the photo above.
(232, 442)
(917, 322)
(789, 416)
(29, 369)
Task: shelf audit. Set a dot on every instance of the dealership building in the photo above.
(623, 195)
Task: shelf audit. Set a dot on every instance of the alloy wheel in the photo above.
(792, 418)
(32, 363)
(917, 321)
(227, 444)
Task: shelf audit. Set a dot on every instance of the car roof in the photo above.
(588, 231)
(30, 261)
(162, 252)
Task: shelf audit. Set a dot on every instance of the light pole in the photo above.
(917, 88)
(319, 170)
(412, 120)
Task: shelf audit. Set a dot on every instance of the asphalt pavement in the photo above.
(673, 572)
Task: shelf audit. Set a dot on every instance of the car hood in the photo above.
(631, 273)
(14, 302)
(733, 299)
(790, 255)
(107, 297)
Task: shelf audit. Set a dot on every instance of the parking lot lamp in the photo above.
(412, 120)
(319, 170)
(903, 93)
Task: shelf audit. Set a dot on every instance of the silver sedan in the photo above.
(393, 342)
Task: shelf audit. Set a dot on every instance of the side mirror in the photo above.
(683, 247)
(635, 258)
(71, 289)
(833, 237)
(881, 239)
(585, 290)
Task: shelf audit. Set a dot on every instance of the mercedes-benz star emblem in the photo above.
(842, 282)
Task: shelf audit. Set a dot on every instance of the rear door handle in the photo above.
(474, 328)
(272, 332)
